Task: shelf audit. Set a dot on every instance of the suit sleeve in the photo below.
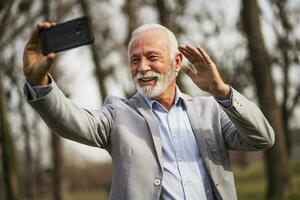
(244, 126)
(90, 127)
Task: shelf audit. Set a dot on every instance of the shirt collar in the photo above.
(179, 100)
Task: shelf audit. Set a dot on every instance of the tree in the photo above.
(98, 51)
(14, 11)
(56, 141)
(131, 8)
(279, 184)
(57, 151)
(57, 158)
(286, 56)
(9, 159)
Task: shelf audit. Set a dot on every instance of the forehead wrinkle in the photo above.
(147, 52)
(154, 40)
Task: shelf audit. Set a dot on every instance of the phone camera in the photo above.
(78, 32)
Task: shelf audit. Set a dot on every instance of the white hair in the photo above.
(173, 43)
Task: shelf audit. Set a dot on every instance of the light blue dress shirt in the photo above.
(184, 174)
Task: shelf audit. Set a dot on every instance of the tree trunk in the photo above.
(57, 159)
(99, 72)
(164, 15)
(279, 185)
(9, 161)
(29, 180)
(28, 183)
(285, 47)
(131, 8)
(56, 145)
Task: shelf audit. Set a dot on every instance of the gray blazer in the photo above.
(128, 130)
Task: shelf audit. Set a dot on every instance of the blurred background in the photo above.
(255, 44)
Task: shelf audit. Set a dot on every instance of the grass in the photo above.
(251, 184)
(87, 195)
(82, 195)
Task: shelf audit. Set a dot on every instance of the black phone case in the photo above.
(67, 35)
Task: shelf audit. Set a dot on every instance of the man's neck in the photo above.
(167, 98)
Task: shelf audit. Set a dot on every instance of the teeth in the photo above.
(147, 79)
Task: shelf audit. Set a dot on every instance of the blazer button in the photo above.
(157, 182)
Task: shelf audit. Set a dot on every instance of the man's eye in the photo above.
(153, 58)
(135, 60)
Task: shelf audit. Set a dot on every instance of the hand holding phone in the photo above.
(36, 65)
(48, 38)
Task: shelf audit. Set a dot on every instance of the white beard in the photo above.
(161, 84)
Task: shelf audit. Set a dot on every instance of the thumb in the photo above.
(50, 58)
(188, 70)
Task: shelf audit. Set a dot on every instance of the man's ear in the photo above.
(178, 61)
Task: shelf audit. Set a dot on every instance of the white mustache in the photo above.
(148, 74)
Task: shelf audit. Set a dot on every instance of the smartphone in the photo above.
(67, 35)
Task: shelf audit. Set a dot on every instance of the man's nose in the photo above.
(144, 66)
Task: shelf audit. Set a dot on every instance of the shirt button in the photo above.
(157, 182)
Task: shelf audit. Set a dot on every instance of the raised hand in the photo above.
(36, 65)
(205, 75)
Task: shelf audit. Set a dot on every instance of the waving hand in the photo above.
(205, 75)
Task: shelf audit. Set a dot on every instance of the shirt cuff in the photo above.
(36, 92)
(226, 103)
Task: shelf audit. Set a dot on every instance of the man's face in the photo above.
(151, 67)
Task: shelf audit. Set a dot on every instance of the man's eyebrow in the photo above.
(134, 56)
(154, 52)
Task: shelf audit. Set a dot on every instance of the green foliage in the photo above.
(251, 184)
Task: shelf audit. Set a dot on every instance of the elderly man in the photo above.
(164, 144)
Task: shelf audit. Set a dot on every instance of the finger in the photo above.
(191, 54)
(46, 63)
(40, 25)
(194, 57)
(34, 40)
(187, 54)
(51, 56)
(46, 25)
(189, 71)
(204, 54)
(194, 52)
(183, 49)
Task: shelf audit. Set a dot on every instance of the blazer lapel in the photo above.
(145, 111)
(193, 112)
(193, 115)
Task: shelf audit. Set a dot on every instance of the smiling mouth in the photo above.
(148, 80)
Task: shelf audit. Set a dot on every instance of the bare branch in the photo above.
(294, 103)
(4, 21)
